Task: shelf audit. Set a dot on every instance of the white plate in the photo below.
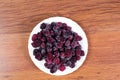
(76, 28)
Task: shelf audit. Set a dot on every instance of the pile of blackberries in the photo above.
(58, 45)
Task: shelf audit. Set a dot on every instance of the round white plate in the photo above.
(76, 28)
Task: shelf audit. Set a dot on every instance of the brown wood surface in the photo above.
(100, 19)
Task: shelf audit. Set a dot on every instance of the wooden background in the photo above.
(100, 19)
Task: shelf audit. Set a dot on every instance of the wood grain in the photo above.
(100, 19)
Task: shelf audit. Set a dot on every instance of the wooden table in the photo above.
(100, 19)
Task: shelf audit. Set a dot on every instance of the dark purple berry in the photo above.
(38, 57)
(68, 63)
(43, 45)
(43, 26)
(43, 39)
(34, 37)
(63, 60)
(56, 60)
(62, 68)
(50, 55)
(46, 33)
(35, 51)
(73, 59)
(82, 53)
(78, 47)
(49, 49)
(67, 43)
(55, 28)
(72, 65)
(53, 69)
(78, 57)
(78, 52)
(49, 66)
(59, 24)
(68, 28)
(78, 38)
(53, 24)
(70, 37)
(64, 24)
(74, 44)
(50, 39)
(65, 35)
(34, 44)
(48, 61)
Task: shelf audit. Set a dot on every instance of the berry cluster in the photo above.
(58, 45)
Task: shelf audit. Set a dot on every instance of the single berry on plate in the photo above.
(49, 66)
(35, 51)
(43, 26)
(53, 69)
(72, 65)
(34, 37)
(38, 57)
(82, 53)
(62, 68)
(68, 63)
